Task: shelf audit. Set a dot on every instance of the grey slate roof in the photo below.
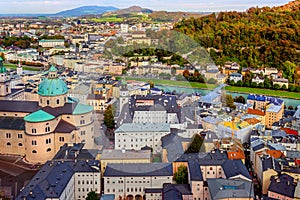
(234, 168)
(18, 106)
(175, 191)
(270, 163)
(223, 188)
(12, 123)
(138, 169)
(52, 179)
(195, 171)
(173, 144)
(283, 184)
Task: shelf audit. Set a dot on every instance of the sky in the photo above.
(53, 6)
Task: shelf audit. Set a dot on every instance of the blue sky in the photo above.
(53, 6)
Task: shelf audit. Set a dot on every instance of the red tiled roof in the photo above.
(256, 112)
(290, 131)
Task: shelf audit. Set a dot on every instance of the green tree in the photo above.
(181, 176)
(212, 81)
(109, 119)
(292, 88)
(92, 196)
(289, 70)
(276, 86)
(283, 87)
(196, 144)
(254, 84)
(239, 83)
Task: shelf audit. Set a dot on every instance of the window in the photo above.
(20, 144)
(34, 151)
(8, 135)
(47, 129)
(61, 139)
(33, 142)
(20, 135)
(49, 149)
(82, 132)
(82, 121)
(8, 144)
(48, 102)
(57, 101)
(33, 130)
(48, 141)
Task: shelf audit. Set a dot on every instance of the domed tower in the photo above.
(4, 81)
(52, 91)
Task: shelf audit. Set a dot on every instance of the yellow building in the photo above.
(124, 156)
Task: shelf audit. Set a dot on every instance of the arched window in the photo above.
(48, 102)
(57, 101)
(8, 144)
(49, 149)
(34, 151)
(20, 144)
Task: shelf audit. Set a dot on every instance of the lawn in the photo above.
(107, 19)
(9, 65)
(176, 83)
(278, 93)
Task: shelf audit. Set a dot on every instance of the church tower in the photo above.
(5, 89)
(19, 69)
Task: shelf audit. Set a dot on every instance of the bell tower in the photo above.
(4, 81)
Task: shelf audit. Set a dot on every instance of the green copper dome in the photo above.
(52, 87)
(39, 116)
(53, 69)
(2, 68)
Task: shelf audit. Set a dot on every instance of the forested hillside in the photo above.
(258, 37)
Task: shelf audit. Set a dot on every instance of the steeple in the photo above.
(4, 80)
(2, 68)
(52, 73)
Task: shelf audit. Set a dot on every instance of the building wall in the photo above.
(53, 101)
(124, 186)
(150, 117)
(137, 140)
(272, 117)
(266, 180)
(68, 192)
(86, 182)
(278, 196)
(12, 141)
(104, 162)
(153, 196)
(212, 172)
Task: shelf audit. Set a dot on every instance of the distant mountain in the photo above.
(85, 10)
(132, 9)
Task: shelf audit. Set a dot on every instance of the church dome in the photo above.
(52, 87)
